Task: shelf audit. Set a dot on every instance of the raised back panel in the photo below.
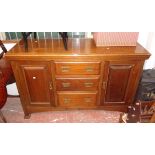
(117, 83)
(37, 81)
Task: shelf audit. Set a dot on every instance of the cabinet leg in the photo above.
(27, 116)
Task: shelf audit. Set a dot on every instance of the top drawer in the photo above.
(77, 68)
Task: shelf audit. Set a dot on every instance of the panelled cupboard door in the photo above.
(120, 81)
(37, 81)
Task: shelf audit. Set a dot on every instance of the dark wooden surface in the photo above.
(83, 77)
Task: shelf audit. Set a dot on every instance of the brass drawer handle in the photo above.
(89, 69)
(88, 84)
(65, 69)
(88, 100)
(66, 84)
(67, 100)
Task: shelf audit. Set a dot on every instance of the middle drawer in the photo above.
(77, 84)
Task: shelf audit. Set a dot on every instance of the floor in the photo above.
(14, 114)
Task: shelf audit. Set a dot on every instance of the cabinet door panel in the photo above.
(120, 82)
(38, 83)
(118, 79)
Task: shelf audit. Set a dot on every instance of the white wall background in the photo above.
(147, 39)
(2, 36)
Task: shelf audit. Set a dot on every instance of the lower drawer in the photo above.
(77, 99)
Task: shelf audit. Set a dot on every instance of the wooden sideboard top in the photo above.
(76, 47)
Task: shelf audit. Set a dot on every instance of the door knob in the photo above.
(34, 77)
(51, 87)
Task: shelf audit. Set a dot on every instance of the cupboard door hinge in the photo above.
(104, 85)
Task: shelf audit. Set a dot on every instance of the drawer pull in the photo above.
(88, 100)
(89, 69)
(88, 84)
(65, 69)
(67, 100)
(66, 84)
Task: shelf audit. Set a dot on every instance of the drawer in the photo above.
(70, 99)
(77, 84)
(77, 68)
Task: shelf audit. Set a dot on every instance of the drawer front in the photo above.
(66, 99)
(77, 68)
(77, 84)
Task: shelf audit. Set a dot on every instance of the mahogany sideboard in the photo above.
(83, 77)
